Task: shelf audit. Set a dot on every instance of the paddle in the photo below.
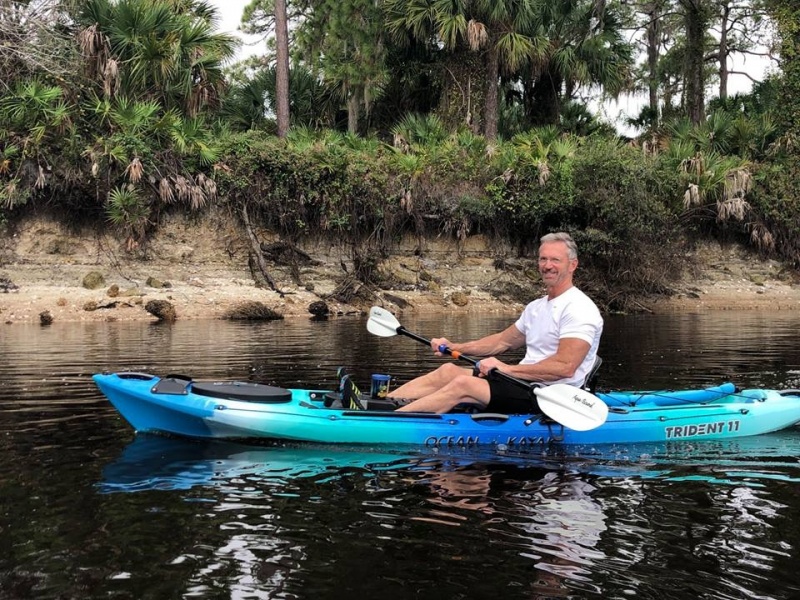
(571, 406)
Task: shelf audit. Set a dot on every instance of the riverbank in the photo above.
(731, 277)
(201, 270)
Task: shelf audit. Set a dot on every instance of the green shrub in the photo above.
(775, 201)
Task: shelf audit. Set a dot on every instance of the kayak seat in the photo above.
(590, 383)
(242, 391)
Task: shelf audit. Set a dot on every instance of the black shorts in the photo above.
(510, 399)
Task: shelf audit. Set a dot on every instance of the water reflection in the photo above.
(153, 462)
(731, 535)
(546, 519)
(552, 522)
(549, 518)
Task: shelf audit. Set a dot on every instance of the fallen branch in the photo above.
(258, 266)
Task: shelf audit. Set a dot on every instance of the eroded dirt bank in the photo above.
(201, 269)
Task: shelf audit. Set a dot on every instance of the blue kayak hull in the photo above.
(247, 411)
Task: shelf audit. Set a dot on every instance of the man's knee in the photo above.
(466, 388)
(451, 370)
(448, 372)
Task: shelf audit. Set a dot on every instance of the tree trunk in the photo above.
(491, 109)
(463, 97)
(542, 99)
(282, 68)
(653, 41)
(258, 266)
(695, 20)
(786, 15)
(352, 112)
(723, 51)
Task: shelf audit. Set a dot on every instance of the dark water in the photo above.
(88, 510)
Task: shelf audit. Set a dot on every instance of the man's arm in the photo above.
(510, 338)
(562, 365)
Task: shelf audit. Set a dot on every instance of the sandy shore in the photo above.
(201, 265)
(33, 303)
(203, 296)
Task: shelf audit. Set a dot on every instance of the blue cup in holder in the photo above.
(380, 385)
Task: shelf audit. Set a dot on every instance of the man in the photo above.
(560, 330)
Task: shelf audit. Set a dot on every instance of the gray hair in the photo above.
(561, 236)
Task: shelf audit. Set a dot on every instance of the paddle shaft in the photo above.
(457, 355)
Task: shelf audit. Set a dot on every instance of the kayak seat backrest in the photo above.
(242, 391)
(590, 383)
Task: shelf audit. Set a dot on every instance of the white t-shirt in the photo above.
(545, 322)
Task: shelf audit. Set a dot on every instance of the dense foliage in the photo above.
(372, 195)
(787, 17)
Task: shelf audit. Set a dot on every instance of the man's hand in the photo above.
(436, 342)
(485, 365)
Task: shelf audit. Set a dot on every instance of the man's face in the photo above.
(555, 266)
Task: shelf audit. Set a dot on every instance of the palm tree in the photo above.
(159, 64)
(499, 29)
(585, 48)
(165, 50)
(250, 102)
(33, 118)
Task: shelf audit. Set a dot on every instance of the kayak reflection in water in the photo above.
(549, 517)
(561, 332)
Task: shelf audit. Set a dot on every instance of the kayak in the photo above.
(233, 410)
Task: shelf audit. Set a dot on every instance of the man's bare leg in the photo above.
(430, 382)
(463, 389)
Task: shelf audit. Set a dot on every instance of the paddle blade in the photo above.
(382, 322)
(571, 406)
